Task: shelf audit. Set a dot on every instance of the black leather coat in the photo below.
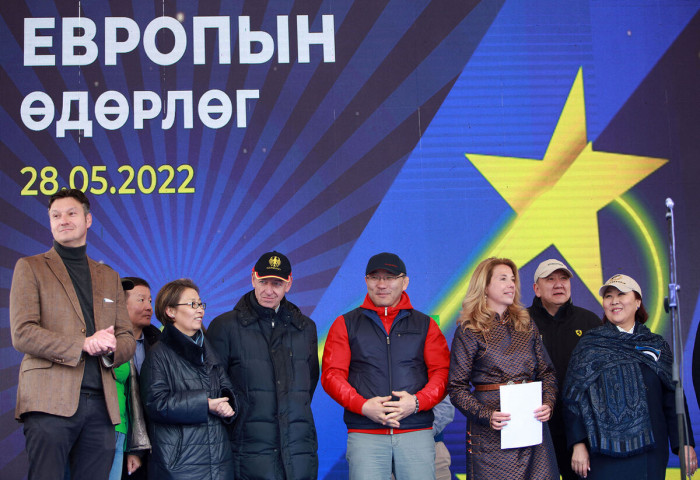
(177, 378)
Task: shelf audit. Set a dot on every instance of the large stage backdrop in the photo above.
(209, 132)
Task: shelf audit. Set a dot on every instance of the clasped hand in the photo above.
(101, 342)
(220, 407)
(388, 412)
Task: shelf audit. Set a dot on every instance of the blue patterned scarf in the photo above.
(604, 387)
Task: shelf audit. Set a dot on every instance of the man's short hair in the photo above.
(72, 193)
(132, 282)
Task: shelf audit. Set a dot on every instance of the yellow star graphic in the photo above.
(556, 200)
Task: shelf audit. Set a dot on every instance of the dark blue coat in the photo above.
(274, 372)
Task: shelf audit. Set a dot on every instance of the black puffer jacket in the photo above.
(275, 436)
(177, 378)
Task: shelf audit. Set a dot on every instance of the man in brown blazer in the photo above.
(68, 316)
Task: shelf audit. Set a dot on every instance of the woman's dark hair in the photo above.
(169, 296)
(640, 315)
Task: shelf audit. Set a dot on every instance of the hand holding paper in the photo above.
(543, 413)
(499, 420)
(524, 403)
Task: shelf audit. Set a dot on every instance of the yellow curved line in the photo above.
(656, 261)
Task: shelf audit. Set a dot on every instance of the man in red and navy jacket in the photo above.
(387, 365)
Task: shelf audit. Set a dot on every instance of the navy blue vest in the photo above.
(380, 364)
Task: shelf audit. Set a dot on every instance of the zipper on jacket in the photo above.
(388, 353)
(388, 357)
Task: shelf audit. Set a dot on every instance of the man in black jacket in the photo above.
(270, 351)
(561, 325)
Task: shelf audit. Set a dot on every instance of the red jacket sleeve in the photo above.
(336, 365)
(437, 359)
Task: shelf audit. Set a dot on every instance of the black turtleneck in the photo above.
(76, 262)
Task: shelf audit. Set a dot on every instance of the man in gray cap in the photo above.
(561, 325)
(270, 351)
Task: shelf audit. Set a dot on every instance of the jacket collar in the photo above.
(563, 310)
(182, 345)
(404, 304)
(151, 334)
(249, 311)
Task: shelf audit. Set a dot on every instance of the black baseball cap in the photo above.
(273, 265)
(386, 261)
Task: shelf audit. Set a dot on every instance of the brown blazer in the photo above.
(47, 325)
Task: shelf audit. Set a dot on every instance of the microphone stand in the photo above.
(673, 308)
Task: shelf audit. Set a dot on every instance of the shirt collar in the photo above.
(630, 331)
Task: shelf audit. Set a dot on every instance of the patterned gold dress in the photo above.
(503, 355)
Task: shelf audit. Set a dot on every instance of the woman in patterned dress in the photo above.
(496, 343)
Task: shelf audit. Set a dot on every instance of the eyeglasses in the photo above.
(387, 279)
(195, 305)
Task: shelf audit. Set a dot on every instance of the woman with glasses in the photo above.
(186, 393)
(619, 394)
(496, 343)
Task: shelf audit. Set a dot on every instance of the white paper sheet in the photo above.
(521, 400)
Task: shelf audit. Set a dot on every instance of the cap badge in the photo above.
(275, 262)
(579, 332)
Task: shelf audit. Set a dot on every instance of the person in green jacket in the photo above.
(122, 375)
